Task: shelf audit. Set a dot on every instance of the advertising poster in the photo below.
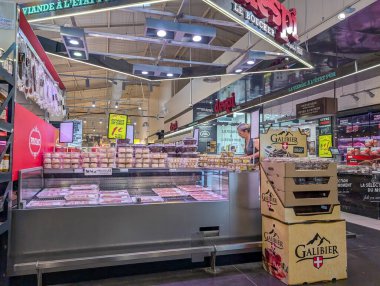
(283, 142)
(77, 134)
(32, 137)
(325, 143)
(117, 126)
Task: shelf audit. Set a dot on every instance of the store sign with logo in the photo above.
(283, 143)
(32, 137)
(324, 121)
(318, 249)
(269, 199)
(274, 239)
(314, 81)
(321, 106)
(117, 126)
(174, 126)
(225, 105)
(270, 18)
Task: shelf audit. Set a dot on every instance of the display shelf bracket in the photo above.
(8, 52)
(6, 101)
(5, 76)
(4, 177)
(6, 127)
(9, 142)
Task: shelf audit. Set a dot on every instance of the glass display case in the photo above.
(73, 187)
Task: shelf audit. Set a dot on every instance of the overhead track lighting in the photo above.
(156, 28)
(74, 40)
(93, 104)
(156, 71)
(116, 105)
(343, 15)
(250, 59)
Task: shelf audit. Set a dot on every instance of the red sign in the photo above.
(225, 105)
(279, 17)
(174, 126)
(32, 137)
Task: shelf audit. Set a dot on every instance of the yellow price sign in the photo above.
(117, 126)
(325, 143)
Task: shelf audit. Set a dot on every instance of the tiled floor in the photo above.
(363, 269)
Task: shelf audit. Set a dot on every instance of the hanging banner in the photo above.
(117, 126)
(283, 142)
(77, 134)
(325, 143)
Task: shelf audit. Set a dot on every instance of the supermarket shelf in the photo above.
(132, 170)
(5, 126)
(3, 227)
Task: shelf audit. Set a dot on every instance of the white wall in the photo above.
(314, 16)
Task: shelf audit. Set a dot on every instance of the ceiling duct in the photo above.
(156, 71)
(179, 32)
(250, 59)
(75, 43)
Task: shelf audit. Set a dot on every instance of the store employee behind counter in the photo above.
(251, 145)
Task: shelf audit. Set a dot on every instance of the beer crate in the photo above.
(303, 253)
(293, 169)
(272, 206)
(297, 191)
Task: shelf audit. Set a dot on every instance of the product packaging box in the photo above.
(306, 252)
(301, 169)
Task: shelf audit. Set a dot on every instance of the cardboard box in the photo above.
(272, 206)
(290, 169)
(292, 194)
(304, 252)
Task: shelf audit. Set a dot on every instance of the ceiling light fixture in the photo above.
(250, 62)
(74, 42)
(169, 75)
(93, 130)
(342, 16)
(161, 33)
(116, 105)
(93, 104)
(238, 71)
(77, 54)
(100, 121)
(197, 38)
(144, 72)
(139, 107)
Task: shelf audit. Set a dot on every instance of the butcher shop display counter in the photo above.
(75, 213)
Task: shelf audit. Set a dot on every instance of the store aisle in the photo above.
(363, 269)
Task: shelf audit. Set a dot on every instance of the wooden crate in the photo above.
(289, 169)
(301, 195)
(272, 206)
(304, 252)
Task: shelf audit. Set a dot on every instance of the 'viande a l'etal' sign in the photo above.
(60, 5)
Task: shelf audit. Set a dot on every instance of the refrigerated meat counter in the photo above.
(68, 214)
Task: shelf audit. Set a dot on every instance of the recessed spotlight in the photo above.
(116, 105)
(139, 107)
(84, 121)
(238, 70)
(197, 38)
(170, 75)
(251, 62)
(77, 54)
(100, 121)
(93, 104)
(93, 130)
(144, 72)
(134, 123)
(74, 42)
(161, 33)
(342, 16)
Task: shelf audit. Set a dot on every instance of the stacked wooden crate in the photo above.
(304, 238)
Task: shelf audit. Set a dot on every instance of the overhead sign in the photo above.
(325, 143)
(117, 126)
(283, 142)
(317, 107)
(64, 8)
(98, 171)
(281, 22)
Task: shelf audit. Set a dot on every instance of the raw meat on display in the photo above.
(169, 192)
(52, 203)
(52, 192)
(148, 199)
(80, 196)
(84, 187)
(80, 203)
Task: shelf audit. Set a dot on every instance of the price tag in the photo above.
(124, 170)
(98, 171)
(78, 171)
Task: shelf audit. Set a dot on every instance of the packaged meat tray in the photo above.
(206, 196)
(52, 193)
(45, 204)
(115, 193)
(79, 196)
(84, 187)
(80, 203)
(147, 199)
(115, 200)
(169, 192)
(193, 188)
